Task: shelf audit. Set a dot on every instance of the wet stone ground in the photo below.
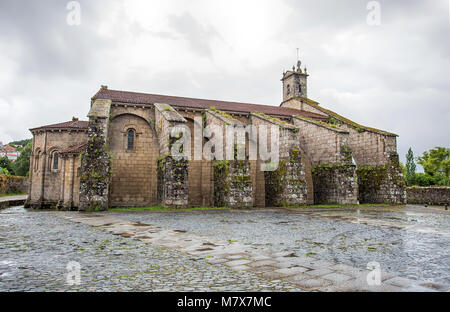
(35, 248)
(410, 242)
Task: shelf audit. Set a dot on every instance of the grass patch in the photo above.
(12, 194)
(160, 208)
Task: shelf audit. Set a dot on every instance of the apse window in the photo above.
(55, 160)
(131, 135)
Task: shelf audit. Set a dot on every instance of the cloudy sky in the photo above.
(393, 76)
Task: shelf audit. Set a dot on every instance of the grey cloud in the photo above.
(402, 81)
(50, 47)
(199, 36)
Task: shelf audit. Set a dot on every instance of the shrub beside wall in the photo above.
(13, 184)
(432, 195)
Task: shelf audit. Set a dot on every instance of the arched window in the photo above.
(130, 145)
(288, 89)
(299, 88)
(55, 160)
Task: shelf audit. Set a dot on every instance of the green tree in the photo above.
(22, 165)
(436, 161)
(423, 179)
(6, 165)
(410, 167)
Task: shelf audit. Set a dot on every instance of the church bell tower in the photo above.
(295, 83)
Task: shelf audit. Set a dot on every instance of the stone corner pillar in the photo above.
(95, 162)
(173, 182)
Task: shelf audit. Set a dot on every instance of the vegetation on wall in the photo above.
(172, 179)
(95, 170)
(231, 179)
(221, 183)
(277, 181)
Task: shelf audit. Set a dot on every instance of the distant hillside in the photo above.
(21, 142)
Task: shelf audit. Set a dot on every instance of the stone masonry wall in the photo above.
(382, 184)
(133, 182)
(322, 143)
(433, 195)
(287, 186)
(45, 181)
(370, 148)
(334, 174)
(335, 184)
(291, 183)
(13, 184)
(232, 178)
(173, 182)
(172, 189)
(96, 162)
(232, 184)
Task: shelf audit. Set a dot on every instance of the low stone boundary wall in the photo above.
(13, 184)
(433, 195)
(11, 203)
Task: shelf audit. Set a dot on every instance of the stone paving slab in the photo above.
(308, 273)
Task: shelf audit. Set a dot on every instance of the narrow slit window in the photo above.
(36, 162)
(130, 145)
(55, 160)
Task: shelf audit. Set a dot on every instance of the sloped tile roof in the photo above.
(8, 149)
(74, 124)
(75, 149)
(176, 101)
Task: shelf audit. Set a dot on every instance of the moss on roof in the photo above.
(281, 123)
(352, 124)
(330, 126)
(224, 115)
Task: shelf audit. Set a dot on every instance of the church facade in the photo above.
(121, 156)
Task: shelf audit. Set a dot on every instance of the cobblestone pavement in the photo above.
(223, 250)
(36, 246)
(412, 242)
(309, 273)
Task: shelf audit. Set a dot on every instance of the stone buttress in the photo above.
(173, 189)
(289, 182)
(96, 162)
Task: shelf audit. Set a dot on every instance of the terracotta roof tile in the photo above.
(8, 149)
(176, 101)
(75, 149)
(73, 124)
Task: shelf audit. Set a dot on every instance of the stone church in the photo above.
(120, 156)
